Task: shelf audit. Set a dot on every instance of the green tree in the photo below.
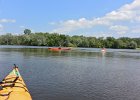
(110, 42)
(132, 45)
(27, 31)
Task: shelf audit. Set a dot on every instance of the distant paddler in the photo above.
(103, 50)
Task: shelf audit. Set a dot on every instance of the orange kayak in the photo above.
(13, 87)
(58, 48)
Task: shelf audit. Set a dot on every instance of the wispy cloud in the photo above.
(22, 26)
(135, 29)
(119, 29)
(119, 21)
(4, 20)
(1, 27)
(7, 20)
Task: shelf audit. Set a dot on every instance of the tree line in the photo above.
(55, 39)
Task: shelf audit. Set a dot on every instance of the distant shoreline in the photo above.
(28, 46)
(61, 40)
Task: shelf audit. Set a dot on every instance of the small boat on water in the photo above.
(59, 48)
(103, 50)
(13, 87)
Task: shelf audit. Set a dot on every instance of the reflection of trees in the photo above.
(44, 52)
(93, 53)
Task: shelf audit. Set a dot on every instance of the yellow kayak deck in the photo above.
(13, 87)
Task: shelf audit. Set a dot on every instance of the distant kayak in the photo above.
(103, 50)
(13, 87)
(59, 48)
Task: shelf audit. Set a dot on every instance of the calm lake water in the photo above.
(80, 74)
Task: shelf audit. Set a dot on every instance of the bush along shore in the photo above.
(55, 39)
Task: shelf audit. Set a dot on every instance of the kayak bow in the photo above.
(13, 87)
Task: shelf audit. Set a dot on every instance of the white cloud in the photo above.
(134, 5)
(126, 14)
(119, 16)
(22, 26)
(52, 23)
(119, 28)
(7, 20)
(82, 23)
(135, 29)
(1, 27)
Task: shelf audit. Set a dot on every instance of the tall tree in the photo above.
(27, 31)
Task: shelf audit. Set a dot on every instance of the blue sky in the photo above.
(115, 18)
